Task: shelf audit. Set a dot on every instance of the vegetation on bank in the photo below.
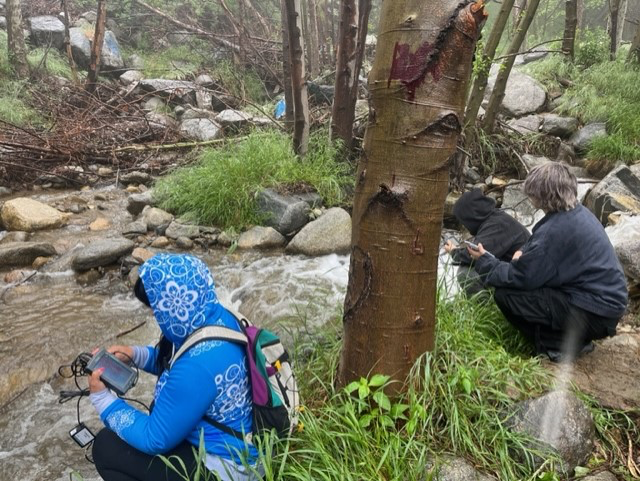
(220, 188)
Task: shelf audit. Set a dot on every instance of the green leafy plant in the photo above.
(592, 47)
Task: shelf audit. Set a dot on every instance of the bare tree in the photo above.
(614, 10)
(286, 67)
(570, 26)
(96, 47)
(418, 87)
(314, 42)
(16, 47)
(634, 51)
(497, 95)
(354, 19)
(298, 77)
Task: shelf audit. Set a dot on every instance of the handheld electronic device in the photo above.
(116, 375)
(82, 435)
(472, 245)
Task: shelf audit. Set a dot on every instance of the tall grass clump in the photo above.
(220, 189)
(50, 61)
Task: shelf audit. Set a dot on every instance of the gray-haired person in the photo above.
(565, 287)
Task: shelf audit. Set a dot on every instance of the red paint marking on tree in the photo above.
(412, 68)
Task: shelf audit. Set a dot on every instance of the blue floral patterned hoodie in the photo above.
(210, 379)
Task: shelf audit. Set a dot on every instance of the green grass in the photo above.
(176, 63)
(50, 61)
(220, 189)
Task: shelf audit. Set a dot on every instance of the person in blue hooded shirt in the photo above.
(208, 383)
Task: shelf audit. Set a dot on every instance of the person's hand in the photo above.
(476, 254)
(124, 353)
(449, 246)
(95, 383)
(516, 255)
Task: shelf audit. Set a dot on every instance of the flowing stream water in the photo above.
(46, 321)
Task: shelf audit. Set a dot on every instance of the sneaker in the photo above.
(559, 356)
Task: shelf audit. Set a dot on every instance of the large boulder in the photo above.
(137, 202)
(30, 215)
(81, 40)
(201, 129)
(618, 191)
(285, 213)
(233, 119)
(261, 238)
(583, 138)
(625, 238)
(562, 127)
(157, 220)
(330, 233)
(179, 229)
(47, 30)
(24, 253)
(524, 95)
(101, 253)
(558, 422)
(529, 124)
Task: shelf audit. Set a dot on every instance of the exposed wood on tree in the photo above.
(96, 47)
(482, 75)
(16, 47)
(314, 41)
(497, 95)
(570, 26)
(298, 78)
(286, 67)
(418, 86)
(614, 10)
(354, 20)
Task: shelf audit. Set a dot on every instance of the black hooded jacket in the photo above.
(497, 231)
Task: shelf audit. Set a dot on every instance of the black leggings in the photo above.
(118, 461)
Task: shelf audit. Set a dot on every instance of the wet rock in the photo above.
(618, 191)
(130, 76)
(17, 275)
(39, 262)
(562, 127)
(136, 177)
(24, 253)
(99, 224)
(331, 233)
(582, 139)
(524, 95)
(161, 243)
(558, 421)
(201, 129)
(137, 202)
(457, 469)
(180, 91)
(261, 238)
(529, 124)
(101, 197)
(15, 236)
(135, 229)
(30, 215)
(134, 275)
(227, 238)
(46, 30)
(284, 213)
(233, 119)
(184, 243)
(157, 220)
(101, 253)
(177, 229)
(141, 255)
(89, 277)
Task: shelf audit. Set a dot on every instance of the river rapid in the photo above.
(47, 320)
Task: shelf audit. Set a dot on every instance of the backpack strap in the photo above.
(209, 333)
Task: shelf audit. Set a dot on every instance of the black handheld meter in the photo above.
(81, 435)
(116, 375)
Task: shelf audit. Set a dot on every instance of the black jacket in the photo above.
(569, 251)
(497, 231)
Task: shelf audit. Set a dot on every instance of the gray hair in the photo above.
(552, 187)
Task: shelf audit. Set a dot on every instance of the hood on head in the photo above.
(473, 208)
(181, 293)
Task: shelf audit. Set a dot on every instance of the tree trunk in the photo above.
(622, 20)
(67, 42)
(497, 95)
(16, 47)
(332, 18)
(314, 41)
(298, 78)
(418, 86)
(323, 46)
(581, 13)
(286, 67)
(354, 20)
(570, 25)
(96, 47)
(614, 10)
(482, 76)
(634, 51)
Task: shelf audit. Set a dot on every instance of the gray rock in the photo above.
(137, 202)
(566, 153)
(136, 177)
(601, 476)
(204, 80)
(30, 215)
(226, 238)
(558, 421)
(81, 38)
(91, 16)
(450, 201)
(221, 101)
(629, 254)
(157, 220)
(261, 238)
(529, 124)
(134, 229)
(330, 233)
(618, 191)
(201, 129)
(286, 214)
(562, 127)
(5, 191)
(24, 253)
(100, 253)
(135, 61)
(193, 113)
(177, 229)
(184, 243)
(526, 58)
(154, 104)
(131, 76)
(524, 95)
(3, 23)
(233, 119)
(15, 236)
(204, 99)
(582, 139)
(46, 30)
(160, 121)
(458, 469)
(517, 205)
(533, 160)
(111, 56)
(180, 91)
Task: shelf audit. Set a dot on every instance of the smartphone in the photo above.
(472, 245)
(117, 375)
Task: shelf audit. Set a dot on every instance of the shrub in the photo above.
(592, 47)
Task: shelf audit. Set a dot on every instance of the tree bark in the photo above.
(497, 95)
(298, 78)
(570, 26)
(488, 54)
(286, 68)
(354, 21)
(581, 12)
(67, 42)
(418, 86)
(96, 47)
(314, 41)
(614, 10)
(16, 47)
(634, 51)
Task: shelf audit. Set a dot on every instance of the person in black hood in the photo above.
(497, 231)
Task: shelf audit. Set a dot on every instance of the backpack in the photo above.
(274, 391)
